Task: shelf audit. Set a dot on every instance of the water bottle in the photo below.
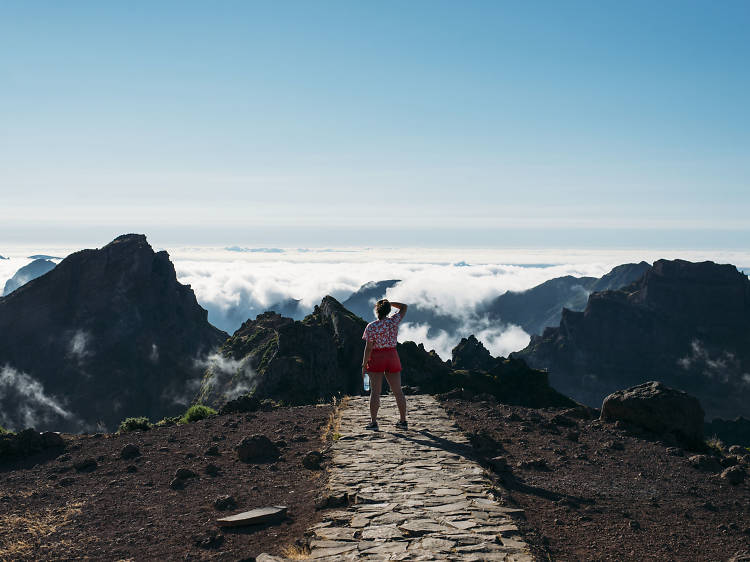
(367, 382)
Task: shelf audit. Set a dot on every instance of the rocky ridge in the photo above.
(685, 324)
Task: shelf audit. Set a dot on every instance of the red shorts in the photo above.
(384, 360)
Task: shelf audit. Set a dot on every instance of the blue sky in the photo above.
(475, 123)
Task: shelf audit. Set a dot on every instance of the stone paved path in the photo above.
(414, 494)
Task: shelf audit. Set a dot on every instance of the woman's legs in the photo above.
(376, 385)
(394, 381)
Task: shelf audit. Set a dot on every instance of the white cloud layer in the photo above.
(235, 290)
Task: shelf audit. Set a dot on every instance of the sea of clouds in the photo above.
(235, 283)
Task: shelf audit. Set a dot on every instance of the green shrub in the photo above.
(134, 424)
(166, 422)
(3, 430)
(197, 412)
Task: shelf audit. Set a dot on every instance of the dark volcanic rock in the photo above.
(28, 442)
(658, 409)
(685, 324)
(257, 448)
(471, 354)
(109, 333)
(35, 269)
(297, 362)
(130, 451)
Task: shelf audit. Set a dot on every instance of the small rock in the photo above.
(535, 464)
(254, 517)
(208, 539)
(705, 463)
(675, 451)
(499, 464)
(634, 525)
(257, 448)
(312, 460)
(728, 461)
(736, 450)
(734, 474)
(177, 484)
(222, 503)
(184, 473)
(615, 445)
(130, 451)
(67, 481)
(132, 468)
(212, 470)
(85, 465)
(212, 451)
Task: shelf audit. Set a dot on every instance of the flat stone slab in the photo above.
(254, 517)
(412, 495)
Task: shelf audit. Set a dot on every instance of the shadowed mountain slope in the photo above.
(106, 334)
(304, 361)
(685, 324)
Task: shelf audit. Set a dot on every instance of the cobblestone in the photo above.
(414, 494)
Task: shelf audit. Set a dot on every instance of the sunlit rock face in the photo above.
(108, 333)
(684, 324)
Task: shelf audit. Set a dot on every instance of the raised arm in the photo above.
(401, 307)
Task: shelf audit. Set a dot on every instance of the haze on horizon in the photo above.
(435, 123)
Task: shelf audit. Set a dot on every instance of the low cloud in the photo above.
(720, 366)
(79, 345)
(499, 340)
(24, 402)
(223, 372)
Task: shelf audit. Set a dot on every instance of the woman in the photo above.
(381, 358)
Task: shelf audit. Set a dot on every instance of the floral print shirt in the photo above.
(383, 333)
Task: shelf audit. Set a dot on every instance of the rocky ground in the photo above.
(89, 502)
(593, 491)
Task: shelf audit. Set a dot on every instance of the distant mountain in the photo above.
(685, 324)
(541, 306)
(35, 269)
(291, 308)
(106, 334)
(362, 301)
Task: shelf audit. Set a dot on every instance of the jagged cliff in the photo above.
(541, 306)
(106, 334)
(299, 362)
(685, 324)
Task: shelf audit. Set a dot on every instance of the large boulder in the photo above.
(659, 409)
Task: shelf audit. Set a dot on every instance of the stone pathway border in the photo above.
(411, 495)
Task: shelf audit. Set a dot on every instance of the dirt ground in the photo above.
(126, 510)
(592, 491)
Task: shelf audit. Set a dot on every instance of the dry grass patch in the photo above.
(21, 535)
(330, 430)
(296, 552)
